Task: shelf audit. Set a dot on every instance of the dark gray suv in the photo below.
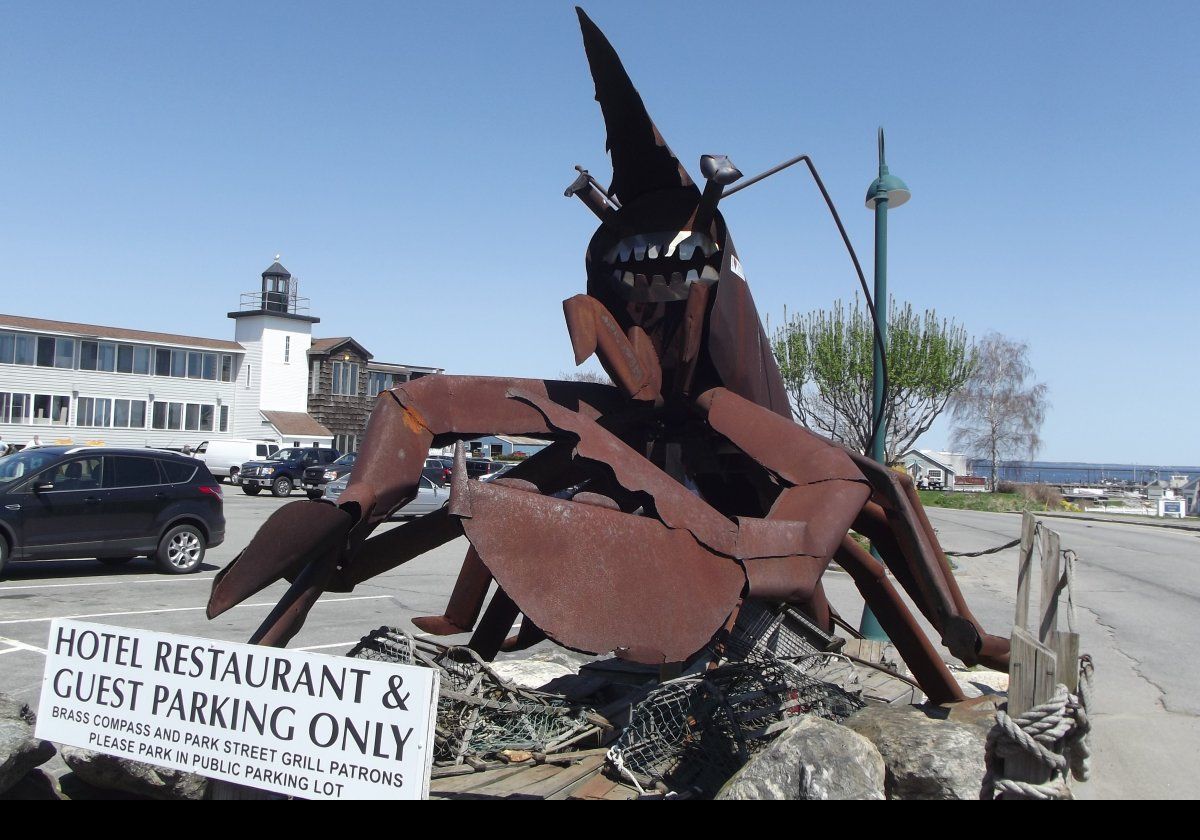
(60, 502)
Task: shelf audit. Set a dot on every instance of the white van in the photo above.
(225, 457)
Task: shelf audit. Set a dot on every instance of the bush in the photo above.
(1043, 494)
(1007, 487)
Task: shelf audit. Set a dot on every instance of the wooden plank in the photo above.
(458, 784)
(594, 788)
(1024, 568)
(1051, 581)
(562, 780)
(1066, 651)
(515, 782)
(1033, 677)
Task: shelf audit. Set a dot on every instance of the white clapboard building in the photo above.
(90, 384)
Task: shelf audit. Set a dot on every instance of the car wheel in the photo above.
(233, 475)
(281, 487)
(181, 550)
(3, 555)
(315, 494)
(251, 491)
(114, 561)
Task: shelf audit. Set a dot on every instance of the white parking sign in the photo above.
(303, 724)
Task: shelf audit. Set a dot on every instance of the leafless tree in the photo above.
(999, 414)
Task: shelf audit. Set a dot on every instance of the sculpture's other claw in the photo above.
(293, 538)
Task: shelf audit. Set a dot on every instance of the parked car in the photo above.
(59, 502)
(224, 458)
(439, 467)
(480, 467)
(283, 470)
(316, 477)
(429, 497)
(492, 476)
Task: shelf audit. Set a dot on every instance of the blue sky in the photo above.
(408, 162)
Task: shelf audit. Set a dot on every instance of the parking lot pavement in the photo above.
(136, 595)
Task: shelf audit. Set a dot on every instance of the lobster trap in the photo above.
(480, 714)
(691, 734)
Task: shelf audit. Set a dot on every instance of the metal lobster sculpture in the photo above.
(666, 499)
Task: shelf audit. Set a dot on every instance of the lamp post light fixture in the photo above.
(885, 191)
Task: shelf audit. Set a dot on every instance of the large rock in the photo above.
(530, 673)
(36, 785)
(812, 759)
(927, 755)
(111, 772)
(20, 751)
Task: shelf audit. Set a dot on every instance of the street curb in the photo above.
(1178, 525)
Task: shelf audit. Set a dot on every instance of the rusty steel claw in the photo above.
(292, 539)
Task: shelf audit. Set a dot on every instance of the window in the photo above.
(141, 360)
(314, 377)
(195, 365)
(51, 410)
(64, 352)
(126, 471)
(287, 349)
(176, 472)
(191, 417)
(210, 366)
(248, 376)
(93, 411)
(45, 351)
(379, 381)
(226, 368)
(79, 474)
(7, 342)
(14, 408)
(25, 350)
(88, 350)
(345, 379)
(345, 443)
(162, 362)
(126, 414)
(124, 359)
(179, 363)
(224, 418)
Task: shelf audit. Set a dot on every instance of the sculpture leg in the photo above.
(909, 545)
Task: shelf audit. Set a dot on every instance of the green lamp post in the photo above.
(885, 191)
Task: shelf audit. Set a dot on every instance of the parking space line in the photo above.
(15, 645)
(182, 609)
(113, 582)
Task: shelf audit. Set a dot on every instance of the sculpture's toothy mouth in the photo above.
(662, 266)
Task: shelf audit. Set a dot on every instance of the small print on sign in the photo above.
(302, 724)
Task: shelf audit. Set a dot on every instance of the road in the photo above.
(1137, 592)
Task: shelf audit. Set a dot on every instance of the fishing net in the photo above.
(693, 733)
(775, 631)
(479, 713)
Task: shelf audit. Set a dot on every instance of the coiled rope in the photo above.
(1061, 723)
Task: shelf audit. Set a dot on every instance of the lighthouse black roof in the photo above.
(276, 270)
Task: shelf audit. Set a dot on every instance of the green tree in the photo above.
(826, 358)
(999, 414)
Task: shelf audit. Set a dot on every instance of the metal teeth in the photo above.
(639, 249)
(627, 278)
(693, 277)
(682, 244)
(652, 251)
